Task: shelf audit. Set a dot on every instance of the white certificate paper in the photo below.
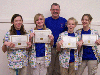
(69, 42)
(41, 36)
(19, 40)
(89, 39)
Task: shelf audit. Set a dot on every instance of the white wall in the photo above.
(28, 9)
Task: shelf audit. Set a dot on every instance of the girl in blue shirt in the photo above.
(17, 58)
(89, 54)
(41, 52)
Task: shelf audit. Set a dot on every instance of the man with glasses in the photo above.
(57, 26)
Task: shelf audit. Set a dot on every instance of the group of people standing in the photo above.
(50, 58)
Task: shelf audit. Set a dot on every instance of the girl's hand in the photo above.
(80, 43)
(29, 44)
(60, 43)
(98, 42)
(10, 44)
(32, 34)
(51, 37)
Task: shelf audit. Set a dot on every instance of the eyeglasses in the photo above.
(55, 9)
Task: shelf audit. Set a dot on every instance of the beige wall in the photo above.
(28, 9)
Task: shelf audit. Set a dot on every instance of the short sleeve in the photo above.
(6, 37)
(59, 38)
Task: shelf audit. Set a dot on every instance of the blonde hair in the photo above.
(72, 18)
(36, 18)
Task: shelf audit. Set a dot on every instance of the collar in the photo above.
(55, 19)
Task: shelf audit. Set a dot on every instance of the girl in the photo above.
(41, 52)
(17, 58)
(68, 57)
(89, 54)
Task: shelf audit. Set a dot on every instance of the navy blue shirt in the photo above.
(18, 32)
(72, 50)
(57, 26)
(40, 49)
(88, 53)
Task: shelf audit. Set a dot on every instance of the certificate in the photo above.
(89, 39)
(41, 36)
(19, 40)
(69, 42)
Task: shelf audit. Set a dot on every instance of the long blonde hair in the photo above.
(36, 18)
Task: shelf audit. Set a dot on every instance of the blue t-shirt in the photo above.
(18, 32)
(88, 53)
(72, 50)
(40, 48)
(57, 26)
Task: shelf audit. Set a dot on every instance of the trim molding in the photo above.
(31, 21)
